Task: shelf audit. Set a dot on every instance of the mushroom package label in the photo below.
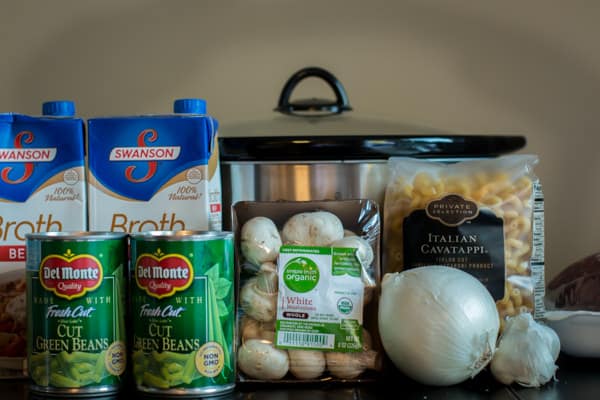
(320, 299)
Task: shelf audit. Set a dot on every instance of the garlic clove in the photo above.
(552, 341)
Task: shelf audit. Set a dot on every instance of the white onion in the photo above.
(438, 325)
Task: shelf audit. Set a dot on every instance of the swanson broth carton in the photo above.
(155, 172)
(42, 189)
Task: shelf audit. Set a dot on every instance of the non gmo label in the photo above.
(320, 299)
(454, 232)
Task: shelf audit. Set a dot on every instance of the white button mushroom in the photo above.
(319, 228)
(260, 240)
(351, 365)
(306, 364)
(253, 329)
(268, 267)
(258, 297)
(260, 360)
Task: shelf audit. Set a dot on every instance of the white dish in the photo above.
(579, 331)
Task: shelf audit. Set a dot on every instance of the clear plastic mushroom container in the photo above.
(309, 275)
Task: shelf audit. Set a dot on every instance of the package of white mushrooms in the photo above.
(309, 275)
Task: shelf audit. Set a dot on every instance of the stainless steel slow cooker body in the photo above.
(313, 152)
(304, 180)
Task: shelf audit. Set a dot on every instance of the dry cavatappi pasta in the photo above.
(482, 216)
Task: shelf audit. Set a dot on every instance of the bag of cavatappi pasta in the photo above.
(485, 217)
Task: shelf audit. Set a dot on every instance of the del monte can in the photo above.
(76, 303)
(182, 310)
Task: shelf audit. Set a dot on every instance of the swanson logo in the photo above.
(143, 152)
(70, 276)
(27, 155)
(161, 275)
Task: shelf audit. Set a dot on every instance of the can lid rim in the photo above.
(75, 235)
(180, 235)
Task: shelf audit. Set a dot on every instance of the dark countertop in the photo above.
(577, 378)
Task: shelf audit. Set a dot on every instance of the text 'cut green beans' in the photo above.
(182, 302)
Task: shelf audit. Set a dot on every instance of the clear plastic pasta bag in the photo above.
(483, 216)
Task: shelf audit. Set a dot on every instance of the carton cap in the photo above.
(59, 108)
(189, 106)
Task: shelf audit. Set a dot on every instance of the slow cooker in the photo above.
(314, 150)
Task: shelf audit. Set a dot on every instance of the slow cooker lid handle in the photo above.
(313, 107)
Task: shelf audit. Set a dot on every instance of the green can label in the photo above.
(182, 312)
(76, 301)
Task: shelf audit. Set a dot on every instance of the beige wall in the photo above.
(530, 68)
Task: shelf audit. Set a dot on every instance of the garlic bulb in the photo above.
(526, 353)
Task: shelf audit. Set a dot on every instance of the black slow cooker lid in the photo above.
(323, 148)
(321, 130)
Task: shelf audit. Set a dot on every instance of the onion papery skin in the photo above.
(438, 325)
